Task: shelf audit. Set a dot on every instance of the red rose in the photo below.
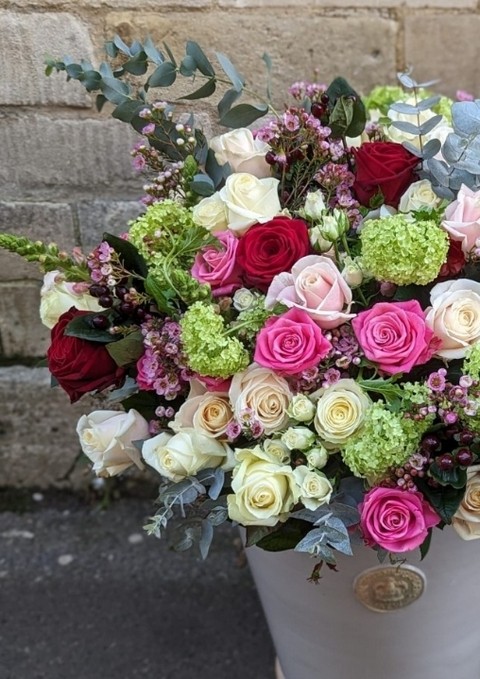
(455, 260)
(268, 249)
(383, 166)
(80, 366)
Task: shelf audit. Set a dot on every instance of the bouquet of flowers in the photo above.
(290, 332)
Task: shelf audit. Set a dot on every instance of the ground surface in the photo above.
(84, 594)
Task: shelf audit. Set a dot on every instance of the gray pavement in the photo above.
(85, 594)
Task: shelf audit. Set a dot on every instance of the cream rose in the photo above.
(454, 316)
(249, 201)
(211, 213)
(316, 286)
(314, 487)
(301, 408)
(298, 438)
(107, 436)
(242, 152)
(340, 412)
(276, 451)
(466, 520)
(317, 457)
(264, 393)
(263, 492)
(57, 296)
(314, 206)
(185, 454)
(209, 413)
(419, 196)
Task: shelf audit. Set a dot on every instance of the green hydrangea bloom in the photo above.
(471, 364)
(402, 251)
(444, 108)
(382, 97)
(153, 232)
(386, 439)
(210, 351)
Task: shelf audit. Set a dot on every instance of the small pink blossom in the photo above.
(462, 218)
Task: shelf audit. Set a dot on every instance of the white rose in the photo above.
(314, 487)
(419, 196)
(317, 457)
(454, 316)
(106, 437)
(340, 412)
(352, 272)
(243, 299)
(211, 213)
(242, 152)
(333, 226)
(314, 206)
(301, 408)
(249, 201)
(317, 241)
(298, 438)
(209, 413)
(57, 296)
(263, 492)
(184, 454)
(466, 520)
(264, 393)
(276, 451)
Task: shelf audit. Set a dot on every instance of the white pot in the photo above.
(324, 632)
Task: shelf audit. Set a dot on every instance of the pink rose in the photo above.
(218, 266)
(291, 343)
(394, 335)
(462, 218)
(316, 286)
(395, 519)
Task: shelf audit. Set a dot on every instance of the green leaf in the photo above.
(445, 500)
(256, 533)
(123, 47)
(243, 115)
(286, 537)
(163, 76)
(152, 52)
(170, 54)
(100, 101)
(227, 101)
(74, 70)
(81, 327)
(128, 110)
(127, 350)
(188, 66)
(203, 185)
(115, 90)
(455, 477)
(137, 65)
(206, 90)
(339, 88)
(131, 258)
(204, 66)
(111, 49)
(425, 546)
(231, 72)
(163, 297)
(91, 80)
(341, 117)
(145, 402)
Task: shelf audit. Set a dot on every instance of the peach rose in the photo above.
(454, 316)
(316, 286)
(209, 413)
(242, 152)
(466, 520)
(264, 393)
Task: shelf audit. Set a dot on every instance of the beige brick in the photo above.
(26, 39)
(48, 222)
(97, 216)
(337, 4)
(443, 4)
(21, 331)
(65, 157)
(79, 5)
(362, 48)
(38, 442)
(455, 38)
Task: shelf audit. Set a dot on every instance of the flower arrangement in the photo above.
(290, 332)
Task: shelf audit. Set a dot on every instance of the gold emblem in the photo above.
(388, 588)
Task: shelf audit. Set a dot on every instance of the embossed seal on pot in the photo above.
(389, 588)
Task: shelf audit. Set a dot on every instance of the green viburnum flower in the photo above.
(210, 351)
(444, 108)
(386, 439)
(382, 97)
(471, 364)
(402, 251)
(153, 233)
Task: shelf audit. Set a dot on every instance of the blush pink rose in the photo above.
(316, 286)
(218, 265)
(395, 519)
(291, 343)
(462, 218)
(394, 335)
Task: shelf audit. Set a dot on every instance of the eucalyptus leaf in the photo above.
(91, 80)
(204, 66)
(188, 66)
(406, 80)
(414, 150)
(430, 102)
(152, 52)
(203, 185)
(431, 148)
(123, 47)
(227, 101)
(453, 148)
(137, 65)
(218, 515)
(163, 76)
(230, 71)
(206, 538)
(170, 54)
(243, 115)
(404, 126)
(128, 110)
(206, 90)
(430, 124)
(74, 70)
(404, 108)
(115, 90)
(466, 117)
(440, 171)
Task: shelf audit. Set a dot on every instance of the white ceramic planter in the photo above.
(324, 632)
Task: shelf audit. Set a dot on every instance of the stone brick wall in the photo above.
(65, 171)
